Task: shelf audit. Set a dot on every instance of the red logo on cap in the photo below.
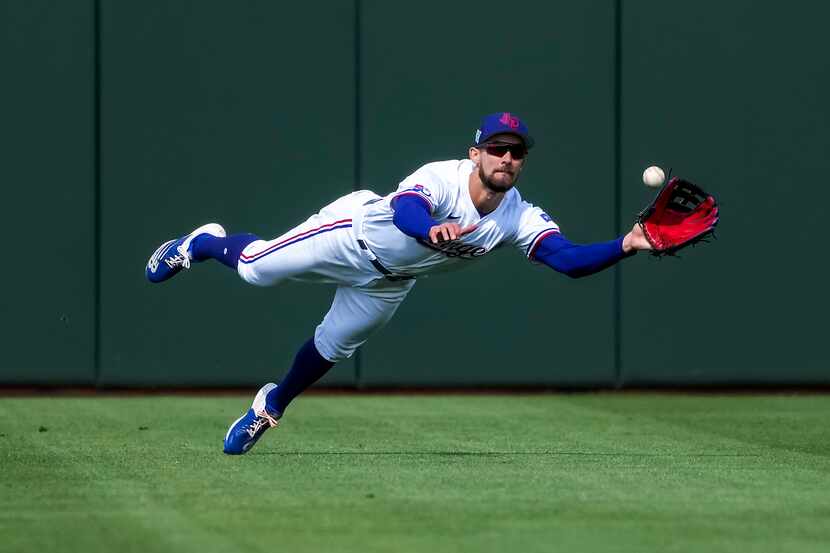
(509, 121)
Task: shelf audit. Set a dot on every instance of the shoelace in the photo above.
(258, 423)
(177, 259)
(271, 420)
(182, 250)
(181, 258)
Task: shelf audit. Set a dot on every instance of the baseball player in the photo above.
(444, 216)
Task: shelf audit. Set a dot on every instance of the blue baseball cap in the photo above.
(502, 123)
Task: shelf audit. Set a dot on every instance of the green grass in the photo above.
(515, 474)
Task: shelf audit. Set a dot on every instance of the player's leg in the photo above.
(258, 261)
(308, 367)
(354, 315)
(176, 254)
(322, 247)
(224, 250)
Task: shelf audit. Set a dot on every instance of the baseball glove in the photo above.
(681, 215)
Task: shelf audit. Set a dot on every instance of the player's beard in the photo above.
(496, 187)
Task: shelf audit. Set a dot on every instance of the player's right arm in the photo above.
(412, 217)
(424, 195)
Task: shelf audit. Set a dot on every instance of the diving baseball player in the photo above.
(444, 216)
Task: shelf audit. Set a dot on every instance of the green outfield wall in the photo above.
(243, 116)
(739, 102)
(124, 124)
(47, 176)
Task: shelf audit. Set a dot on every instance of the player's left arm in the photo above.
(580, 260)
(543, 242)
(636, 240)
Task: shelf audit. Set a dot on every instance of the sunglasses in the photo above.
(517, 151)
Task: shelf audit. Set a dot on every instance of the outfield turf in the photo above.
(425, 473)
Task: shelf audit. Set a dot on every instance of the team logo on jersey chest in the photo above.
(456, 248)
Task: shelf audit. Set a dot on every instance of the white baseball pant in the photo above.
(325, 249)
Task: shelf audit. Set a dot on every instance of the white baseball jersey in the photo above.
(444, 186)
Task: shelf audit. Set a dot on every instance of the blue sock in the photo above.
(309, 366)
(225, 250)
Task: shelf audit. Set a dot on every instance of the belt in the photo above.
(357, 228)
(379, 266)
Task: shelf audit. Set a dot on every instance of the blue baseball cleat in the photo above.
(247, 429)
(174, 255)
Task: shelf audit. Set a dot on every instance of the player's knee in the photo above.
(334, 348)
(250, 266)
(249, 273)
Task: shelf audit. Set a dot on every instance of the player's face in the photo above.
(500, 161)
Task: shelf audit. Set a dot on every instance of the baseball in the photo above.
(653, 176)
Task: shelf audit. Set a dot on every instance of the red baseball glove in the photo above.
(682, 214)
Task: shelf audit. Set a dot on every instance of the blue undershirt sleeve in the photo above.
(412, 216)
(575, 260)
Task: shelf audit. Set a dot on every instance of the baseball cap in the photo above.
(500, 123)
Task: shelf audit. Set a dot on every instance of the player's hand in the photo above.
(635, 240)
(447, 232)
